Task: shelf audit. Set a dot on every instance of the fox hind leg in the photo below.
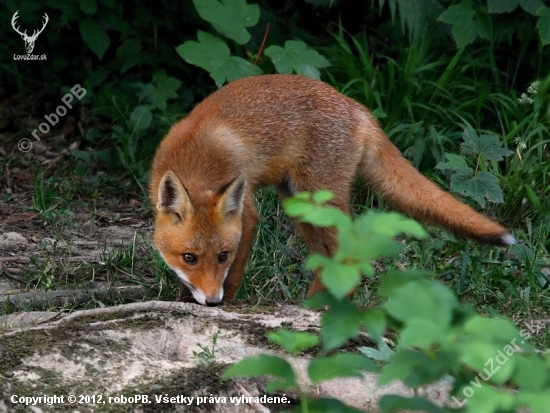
(319, 240)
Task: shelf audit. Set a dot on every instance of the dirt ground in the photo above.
(157, 351)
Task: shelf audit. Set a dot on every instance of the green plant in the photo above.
(231, 18)
(207, 355)
(488, 359)
(477, 183)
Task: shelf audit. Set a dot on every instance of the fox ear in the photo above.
(173, 197)
(233, 194)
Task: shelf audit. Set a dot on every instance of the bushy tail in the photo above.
(408, 191)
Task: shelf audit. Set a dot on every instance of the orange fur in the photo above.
(297, 134)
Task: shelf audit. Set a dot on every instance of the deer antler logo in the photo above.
(29, 40)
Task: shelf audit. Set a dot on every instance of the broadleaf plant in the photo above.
(479, 185)
(231, 18)
(488, 364)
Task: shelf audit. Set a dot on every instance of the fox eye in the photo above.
(189, 258)
(223, 257)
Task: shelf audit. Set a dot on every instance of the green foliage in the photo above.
(438, 338)
(95, 37)
(416, 16)
(214, 56)
(208, 354)
(231, 18)
(470, 20)
(292, 341)
(479, 185)
(298, 58)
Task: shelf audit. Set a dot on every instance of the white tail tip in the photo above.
(508, 239)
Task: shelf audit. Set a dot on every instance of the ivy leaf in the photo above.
(95, 37)
(230, 17)
(213, 55)
(488, 146)
(481, 186)
(296, 57)
(543, 25)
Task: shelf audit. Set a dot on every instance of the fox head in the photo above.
(198, 235)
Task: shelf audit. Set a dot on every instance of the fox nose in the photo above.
(213, 301)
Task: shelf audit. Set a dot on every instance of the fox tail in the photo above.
(407, 190)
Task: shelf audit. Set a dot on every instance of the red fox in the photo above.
(293, 132)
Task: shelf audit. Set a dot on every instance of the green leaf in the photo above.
(230, 17)
(502, 6)
(320, 197)
(498, 331)
(388, 225)
(339, 365)
(488, 146)
(543, 25)
(95, 37)
(326, 217)
(340, 279)
(487, 359)
(531, 6)
(488, 399)
(298, 205)
(375, 323)
(383, 353)
(141, 118)
(528, 375)
(480, 187)
(433, 300)
(88, 6)
(339, 324)
(130, 53)
(213, 55)
(297, 57)
(294, 341)
(423, 333)
(261, 365)
(536, 402)
(166, 88)
(391, 403)
(413, 368)
(461, 16)
(455, 163)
